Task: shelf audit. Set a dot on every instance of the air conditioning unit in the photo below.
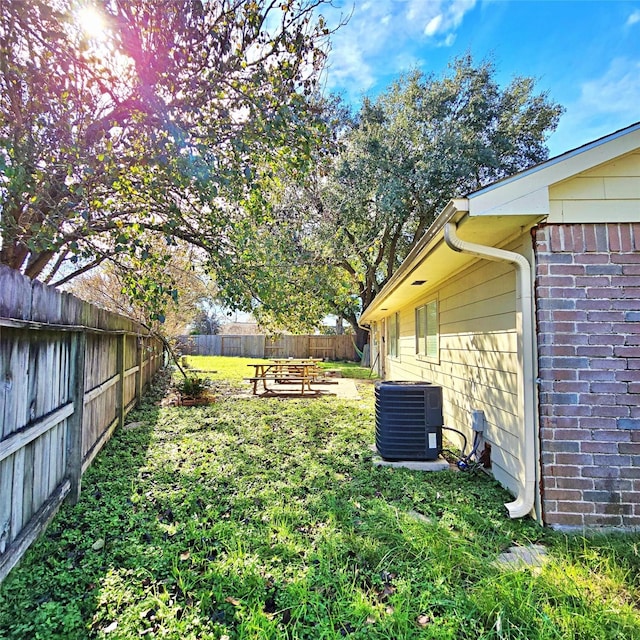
(408, 420)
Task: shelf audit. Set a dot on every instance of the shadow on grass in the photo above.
(55, 590)
(267, 520)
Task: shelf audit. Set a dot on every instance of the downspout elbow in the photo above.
(525, 501)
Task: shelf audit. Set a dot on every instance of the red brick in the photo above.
(566, 267)
(569, 386)
(613, 233)
(573, 410)
(635, 233)
(599, 520)
(576, 507)
(599, 447)
(605, 293)
(626, 304)
(577, 238)
(597, 374)
(614, 508)
(616, 411)
(563, 494)
(608, 387)
(626, 352)
(556, 239)
(600, 472)
(592, 258)
(563, 471)
(561, 350)
(589, 234)
(601, 351)
(574, 483)
(568, 292)
(563, 519)
(548, 329)
(600, 335)
(572, 435)
(574, 458)
(626, 238)
(598, 425)
(570, 316)
(625, 258)
(593, 281)
(604, 434)
(552, 447)
(605, 315)
(625, 281)
(565, 280)
(632, 448)
(628, 375)
(596, 400)
(612, 460)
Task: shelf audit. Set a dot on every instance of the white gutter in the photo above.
(525, 501)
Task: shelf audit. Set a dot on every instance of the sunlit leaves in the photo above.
(157, 127)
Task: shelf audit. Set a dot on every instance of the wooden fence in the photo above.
(330, 347)
(70, 372)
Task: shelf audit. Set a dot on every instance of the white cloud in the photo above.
(439, 17)
(433, 25)
(617, 91)
(634, 18)
(604, 105)
(368, 45)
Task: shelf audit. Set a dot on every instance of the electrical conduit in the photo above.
(525, 500)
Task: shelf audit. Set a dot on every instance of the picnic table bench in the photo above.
(284, 372)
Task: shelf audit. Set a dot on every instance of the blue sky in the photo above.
(585, 54)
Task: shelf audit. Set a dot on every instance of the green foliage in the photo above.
(113, 147)
(380, 179)
(266, 519)
(192, 386)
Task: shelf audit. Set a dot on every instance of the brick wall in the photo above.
(588, 314)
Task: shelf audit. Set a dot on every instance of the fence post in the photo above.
(120, 367)
(75, 420)
(140, 350)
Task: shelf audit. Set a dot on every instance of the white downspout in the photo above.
(525, 501)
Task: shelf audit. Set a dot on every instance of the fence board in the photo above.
(61, 396)
(329, 347)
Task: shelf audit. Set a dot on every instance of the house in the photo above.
(522, 301)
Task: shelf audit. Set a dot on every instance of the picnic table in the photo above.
(286, 371)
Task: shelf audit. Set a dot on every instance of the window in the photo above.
(394, 335)
(427, 338)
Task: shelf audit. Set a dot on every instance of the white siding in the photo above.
(478, 358)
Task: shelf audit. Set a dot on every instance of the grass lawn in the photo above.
(265, 519)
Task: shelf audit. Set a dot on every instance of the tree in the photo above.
(391, 169)
(206, 322)
(149, 129)
(110, 288)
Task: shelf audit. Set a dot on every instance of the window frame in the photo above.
(393, 335)
(427, 333)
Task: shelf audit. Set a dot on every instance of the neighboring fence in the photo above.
(70, 372)
(331, 347)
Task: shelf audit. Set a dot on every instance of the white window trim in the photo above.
(424, 355)
(393, 320)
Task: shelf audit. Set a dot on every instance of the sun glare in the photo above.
(93, 23)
